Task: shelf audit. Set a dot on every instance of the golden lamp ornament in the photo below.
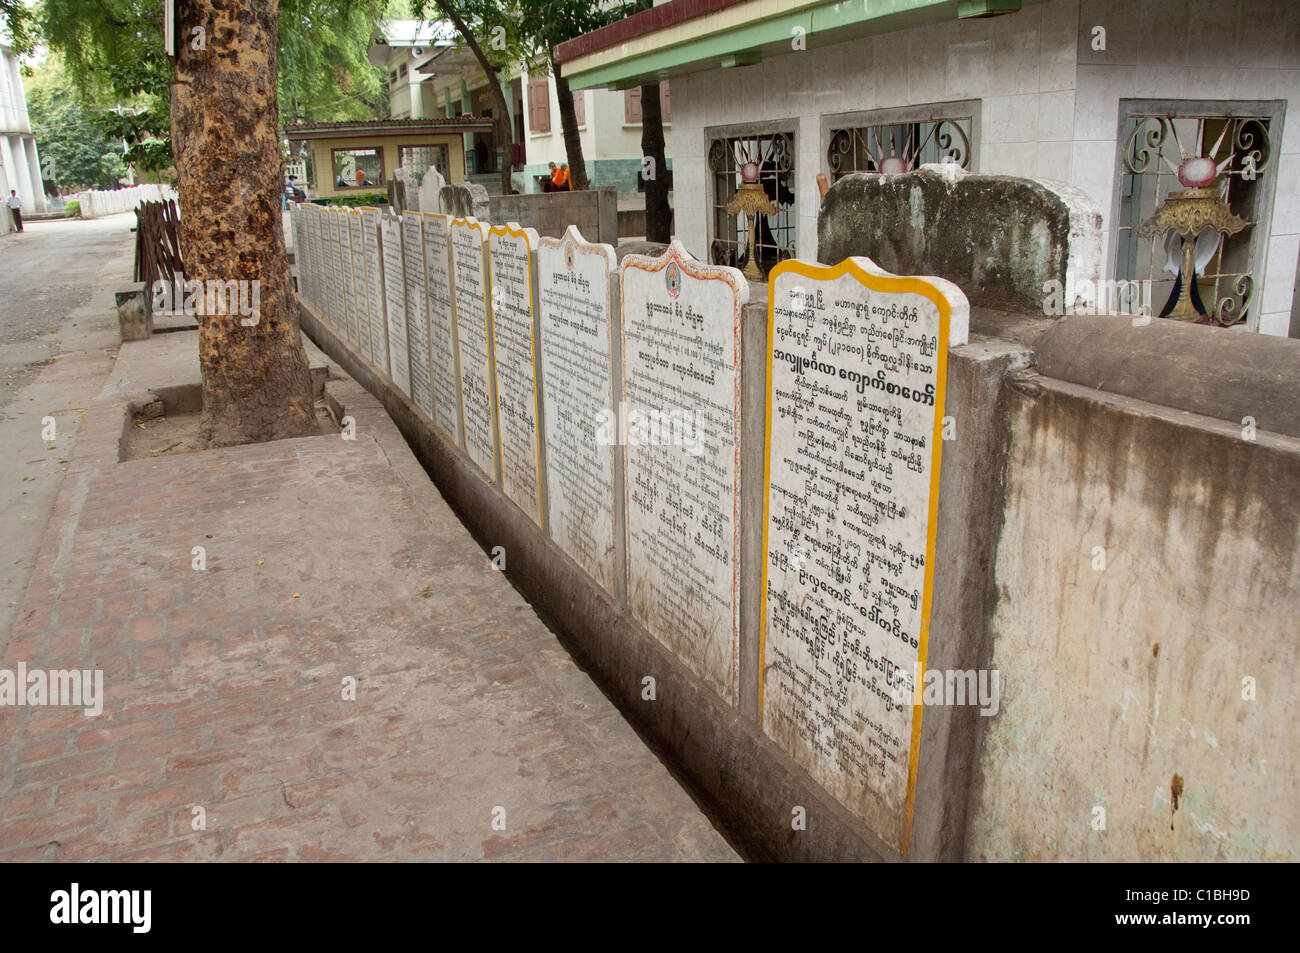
(1193, 221)
(751, 201)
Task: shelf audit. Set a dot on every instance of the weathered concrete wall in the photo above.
(1125, 688)
(999, 238)
(593, 211)
(1242, 378)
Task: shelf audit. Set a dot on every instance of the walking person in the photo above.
(16, 208)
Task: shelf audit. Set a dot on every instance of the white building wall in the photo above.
(605, 133)
(1049, 103)
(20, 167)
(544, 147)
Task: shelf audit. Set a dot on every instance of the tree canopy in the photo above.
(76, 152)
(113, 51)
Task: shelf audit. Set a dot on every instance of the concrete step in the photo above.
(489, 180)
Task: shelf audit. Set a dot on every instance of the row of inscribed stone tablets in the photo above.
(616, 430)
(553, 360)
(340, 274)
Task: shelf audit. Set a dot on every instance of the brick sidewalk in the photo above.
(325, 559)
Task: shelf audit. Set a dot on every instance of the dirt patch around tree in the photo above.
(169, 424)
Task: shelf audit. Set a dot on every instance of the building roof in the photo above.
(419, 36)
(390, 127)
(418, 32)
(638, 24)
(684, 36)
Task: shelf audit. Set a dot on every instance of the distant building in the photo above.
(428, 76)
(1103, 95)
(20, 167)
(350, 158)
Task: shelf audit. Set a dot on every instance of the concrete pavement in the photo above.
(228, 732)
(58, 339)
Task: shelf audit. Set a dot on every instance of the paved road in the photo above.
(48, 271)
(58, 339)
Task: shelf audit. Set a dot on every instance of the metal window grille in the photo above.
(908, 144)
(417, 159)
(1154, 146)
(772, 156)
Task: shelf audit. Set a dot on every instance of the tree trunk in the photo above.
(505, 134)
(658, 216)
(572, 140)
(256, 384)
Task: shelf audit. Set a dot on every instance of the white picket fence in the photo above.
(95, 203)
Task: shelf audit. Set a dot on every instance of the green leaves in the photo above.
(76, 150)
(325, 75)
(524, 30)
(113, 53)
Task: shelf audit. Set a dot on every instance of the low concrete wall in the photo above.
(96, 203)
(750, 784)
(1148, 586)
(1231, 376)
(593, 211)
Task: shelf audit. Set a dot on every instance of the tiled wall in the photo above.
(1192, 49)
(1050, 103)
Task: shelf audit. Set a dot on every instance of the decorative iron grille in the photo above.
(770, 157)
(416, 160)
(899, 146)
(1156, 147)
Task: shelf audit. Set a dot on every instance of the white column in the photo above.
(34, 171)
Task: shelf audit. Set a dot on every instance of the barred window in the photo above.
(745, 168)
(357, 168)
(901, 140)
(1195, 186)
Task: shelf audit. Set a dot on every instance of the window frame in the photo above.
(383, 172)
(665, 104)
(786, 127)
(1261, 232)
(445, 151)
(951, 110)
(545, 83)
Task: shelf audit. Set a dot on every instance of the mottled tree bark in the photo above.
(569, 126)
(256, 383)
(658, 216)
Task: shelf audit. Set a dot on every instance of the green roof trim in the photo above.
(971, 9)
(819, 26)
